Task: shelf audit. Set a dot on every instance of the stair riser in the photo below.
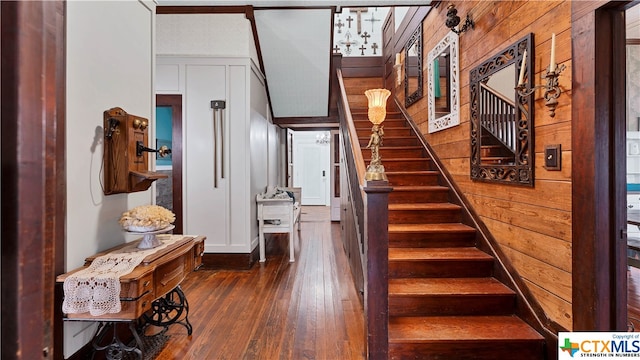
(388, 131)
(412, 197)
(399, 165)
(423, 216)
(430, 240)
(451, 305)
(460, 349)
(389, 141)
(362, 122)
(493, 151)
(412, 179)
(498, 161)
(394, 153)
(440, 268)
(358, 103)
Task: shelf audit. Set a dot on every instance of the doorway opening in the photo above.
(311, 166)
(169, 132)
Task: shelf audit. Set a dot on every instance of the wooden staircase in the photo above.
(444, 302)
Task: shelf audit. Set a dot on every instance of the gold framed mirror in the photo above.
(413, 68)
(443, 84)
(502, 148)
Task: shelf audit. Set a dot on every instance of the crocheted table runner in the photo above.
(96, 289)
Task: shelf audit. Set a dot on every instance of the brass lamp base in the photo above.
(375, 172)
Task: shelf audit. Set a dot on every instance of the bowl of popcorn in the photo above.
(148, 220)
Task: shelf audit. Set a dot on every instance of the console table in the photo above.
(276, 215)
(151, 291)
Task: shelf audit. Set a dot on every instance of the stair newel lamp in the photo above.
(377, 112)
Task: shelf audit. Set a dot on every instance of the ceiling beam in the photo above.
(308, 123)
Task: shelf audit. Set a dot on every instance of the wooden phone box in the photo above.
(126, 158)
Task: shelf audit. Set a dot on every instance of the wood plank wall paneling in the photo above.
(532, 225)
(362, 66)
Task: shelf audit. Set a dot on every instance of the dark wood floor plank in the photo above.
(308, 309)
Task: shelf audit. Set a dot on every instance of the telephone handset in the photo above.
(111, 128)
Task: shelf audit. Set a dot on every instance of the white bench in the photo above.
(278, 216)
(297, 196)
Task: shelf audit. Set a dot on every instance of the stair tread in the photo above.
(385, 128)
(432, 228)
(413, 172)
(402, 147)
(387, 137)
(495, 157)
(420, 188)
(436, 206)
(459, 329)
(447, 286)
(405, 159)
(466, 253)
(390, 116)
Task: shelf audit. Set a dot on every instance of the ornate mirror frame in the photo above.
(415, 39)
(520, 171)
(450, 42)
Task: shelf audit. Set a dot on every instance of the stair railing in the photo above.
(353, 154)
(370, 205)
(498, 116)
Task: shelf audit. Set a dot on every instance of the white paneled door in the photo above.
(311, 168)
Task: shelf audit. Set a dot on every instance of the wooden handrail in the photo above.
(354, 162)
(353, 134)
(497, 94)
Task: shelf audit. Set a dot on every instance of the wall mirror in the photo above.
(443, 84)
(502, 121)
(413, 68)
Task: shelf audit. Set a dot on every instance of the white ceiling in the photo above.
(296, 60)
(295, 45)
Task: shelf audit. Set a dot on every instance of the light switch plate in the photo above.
(553, 157)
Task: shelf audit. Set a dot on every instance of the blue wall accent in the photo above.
(163, 131)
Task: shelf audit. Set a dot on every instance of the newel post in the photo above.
(376, 251)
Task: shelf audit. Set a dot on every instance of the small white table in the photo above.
(276, 216)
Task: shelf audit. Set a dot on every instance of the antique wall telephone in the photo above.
(126, 166)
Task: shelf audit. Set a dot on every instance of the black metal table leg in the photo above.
(116, 349)
(170, 309)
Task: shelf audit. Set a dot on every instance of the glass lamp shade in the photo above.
(377, 104)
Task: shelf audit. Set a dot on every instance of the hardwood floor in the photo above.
(277, 310)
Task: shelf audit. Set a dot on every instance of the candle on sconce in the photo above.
(522, 66)
(552, 61)
(397, 58)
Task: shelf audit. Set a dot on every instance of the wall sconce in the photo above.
(453, 20)
(551, 89)
(377, 112)
(398, 69)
